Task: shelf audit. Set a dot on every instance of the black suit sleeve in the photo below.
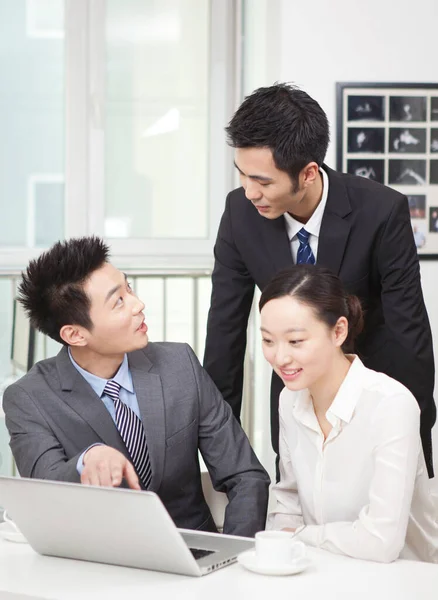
(231, 300)
(405, 314)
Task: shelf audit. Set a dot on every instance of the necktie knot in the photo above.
(303, 236)
(305, 254)
(112, 389)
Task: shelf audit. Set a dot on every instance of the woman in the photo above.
(352, 471)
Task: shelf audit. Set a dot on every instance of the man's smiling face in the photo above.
(116, 313)
(270, 190)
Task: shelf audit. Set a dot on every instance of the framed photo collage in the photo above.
(389, 133)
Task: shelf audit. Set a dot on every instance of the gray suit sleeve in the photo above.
(36, 450)
(231, 462)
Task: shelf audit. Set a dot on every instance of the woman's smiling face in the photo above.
(299, 346)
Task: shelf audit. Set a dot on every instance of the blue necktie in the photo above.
(132, 433)
(304, 254)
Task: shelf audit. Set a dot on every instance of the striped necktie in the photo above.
(304, 254)
(132, 433)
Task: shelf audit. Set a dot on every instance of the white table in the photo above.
(22, 571)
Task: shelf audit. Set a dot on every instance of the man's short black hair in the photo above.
(52, 291)
(285, 119)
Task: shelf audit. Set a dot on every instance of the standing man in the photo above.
(292, 208)
(114, 409)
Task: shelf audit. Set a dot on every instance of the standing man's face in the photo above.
(270, 190)
(116, 313)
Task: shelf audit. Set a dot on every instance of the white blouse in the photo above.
(364, 491)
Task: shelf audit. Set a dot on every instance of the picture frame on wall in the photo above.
(388, 132)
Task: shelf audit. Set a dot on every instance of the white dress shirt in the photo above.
(364, 491)
(313, 225)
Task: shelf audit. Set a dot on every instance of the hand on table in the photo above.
(106, 466)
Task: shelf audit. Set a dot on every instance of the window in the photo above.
(114, 115)
(32, 124)
(156, 119)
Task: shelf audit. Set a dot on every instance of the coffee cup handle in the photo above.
(8, 519)
(302, 549)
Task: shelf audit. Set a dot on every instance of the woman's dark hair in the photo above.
(322, 290)
(52, 292)
(286, 120)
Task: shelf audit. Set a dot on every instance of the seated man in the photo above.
(112, 409)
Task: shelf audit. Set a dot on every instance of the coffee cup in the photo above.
(278, 548)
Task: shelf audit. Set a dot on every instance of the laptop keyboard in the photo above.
(199, 553)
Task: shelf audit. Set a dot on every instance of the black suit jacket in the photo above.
(366, 238)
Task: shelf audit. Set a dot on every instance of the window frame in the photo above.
(84, 171)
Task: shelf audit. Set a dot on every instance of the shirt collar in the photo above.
(122, 377)
(345, 401)
(313, 225)
(303, 408)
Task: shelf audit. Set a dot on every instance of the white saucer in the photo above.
(7, 532)
(248, 560)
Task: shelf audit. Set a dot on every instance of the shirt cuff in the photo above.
(80, 464)
(313, 535)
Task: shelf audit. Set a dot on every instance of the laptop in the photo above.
(111, 525)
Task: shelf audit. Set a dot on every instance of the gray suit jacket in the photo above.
(53, 415)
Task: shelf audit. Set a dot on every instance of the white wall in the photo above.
(319, 43)
(344, 40)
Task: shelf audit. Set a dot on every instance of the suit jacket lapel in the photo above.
(335, 230)
(150, 399)
(81, 398)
